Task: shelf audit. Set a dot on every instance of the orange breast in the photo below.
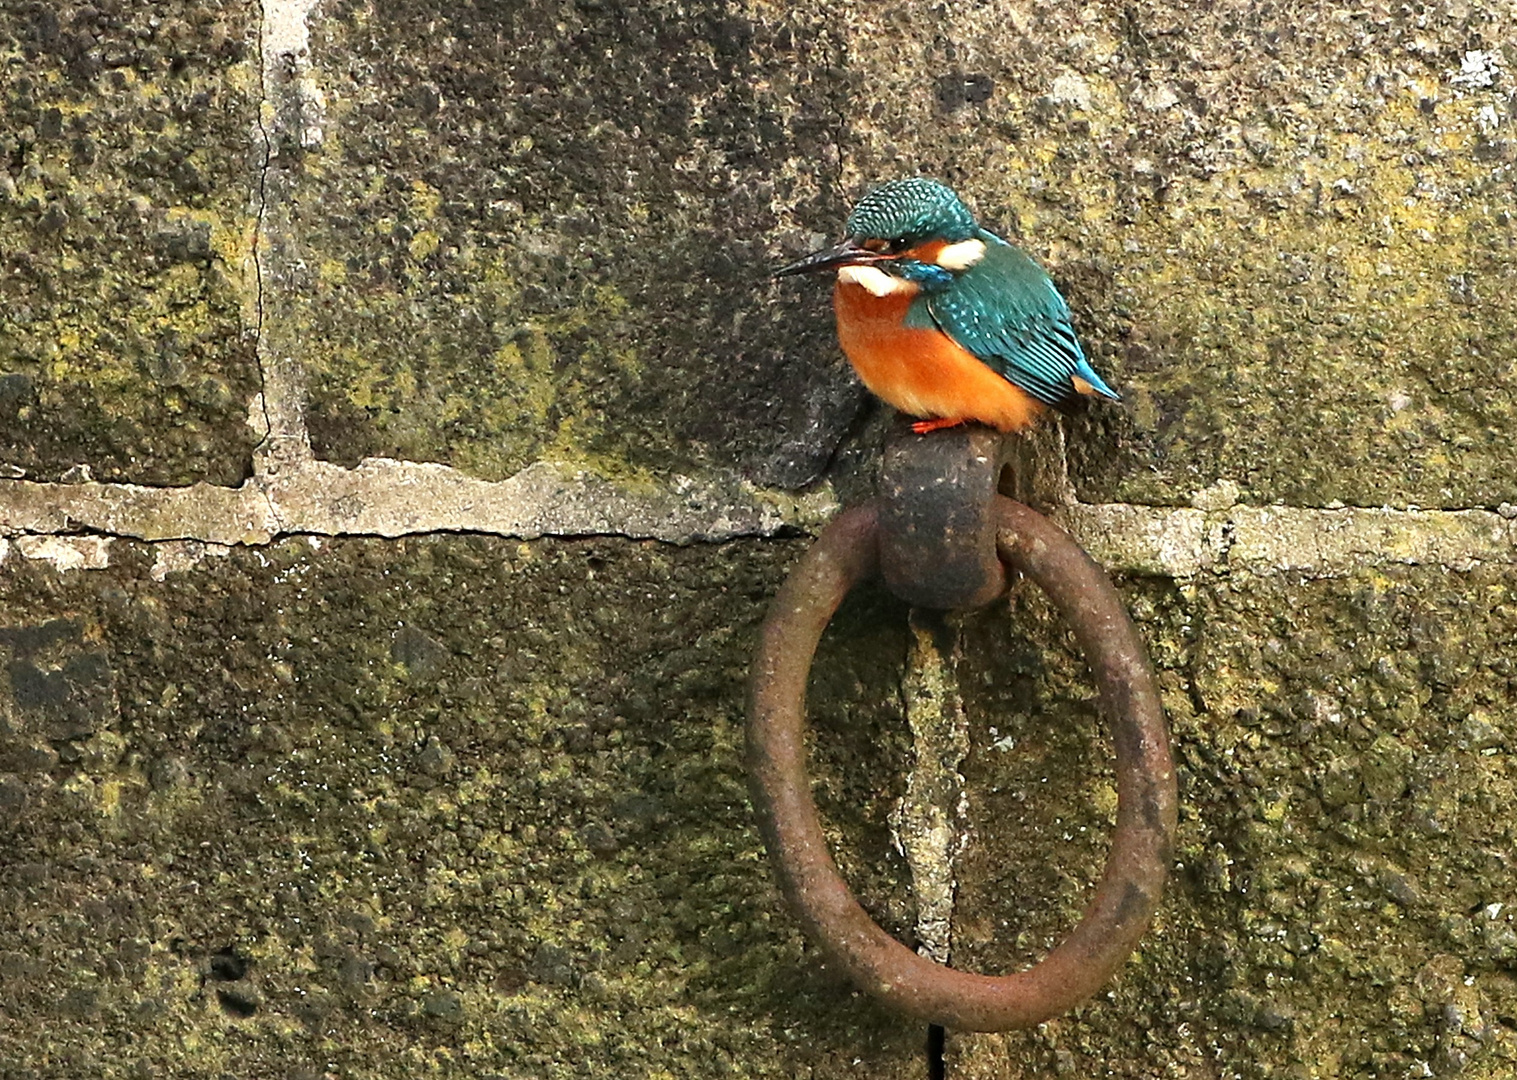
(922, 372)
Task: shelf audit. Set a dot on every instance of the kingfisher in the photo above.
(945, 320)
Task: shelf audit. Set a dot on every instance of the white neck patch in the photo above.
(874, 281)
(961, 256)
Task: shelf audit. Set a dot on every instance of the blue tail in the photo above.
(1083, 370)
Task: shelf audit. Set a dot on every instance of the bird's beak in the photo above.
(849, 253)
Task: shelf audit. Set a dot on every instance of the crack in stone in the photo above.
(929, 824)
(284, 99)
(384, 497)
(388, 498)
(281, 526)
(261, 203)
(1181, 543)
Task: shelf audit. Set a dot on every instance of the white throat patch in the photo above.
(877, 282)
(963, 255)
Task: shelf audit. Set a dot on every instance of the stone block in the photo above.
(128, 190)
(467, 806)
(1343, 858)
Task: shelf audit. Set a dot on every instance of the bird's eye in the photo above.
(899, 244)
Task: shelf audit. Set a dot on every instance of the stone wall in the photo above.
(402, 438)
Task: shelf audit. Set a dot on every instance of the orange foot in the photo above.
(922, 427)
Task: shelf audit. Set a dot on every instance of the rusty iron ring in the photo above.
(1124, 900)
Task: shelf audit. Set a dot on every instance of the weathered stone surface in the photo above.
(1341, 900)
(127, 184)
(474, 806)
(524, 230)
(1286, 233)
(443, 807)
(495, 235)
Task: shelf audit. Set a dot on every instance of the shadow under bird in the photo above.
(946, 321)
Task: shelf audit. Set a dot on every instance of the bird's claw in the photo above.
(922, 427)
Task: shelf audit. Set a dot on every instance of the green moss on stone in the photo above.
(126, 223)
(1343, 836)
(524, 241)
(1287, 241)
(448, 807)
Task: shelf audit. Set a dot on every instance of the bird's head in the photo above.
(912, 231)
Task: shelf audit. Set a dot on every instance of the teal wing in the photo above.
(1006, 311)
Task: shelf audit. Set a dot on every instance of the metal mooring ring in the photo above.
(1125, 898)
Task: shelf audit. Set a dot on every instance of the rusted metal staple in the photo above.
(937, 534)
(1123, 904)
